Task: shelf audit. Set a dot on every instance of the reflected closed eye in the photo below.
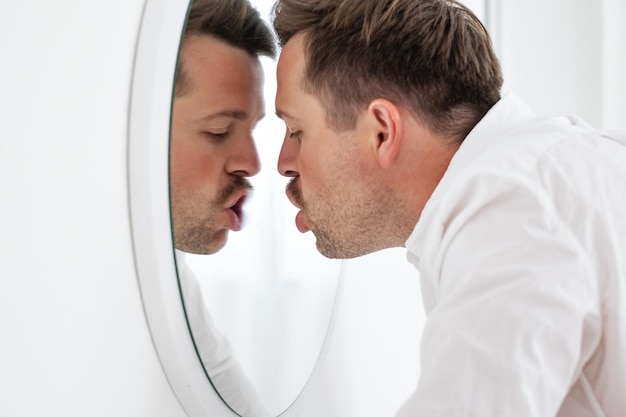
(218, 137)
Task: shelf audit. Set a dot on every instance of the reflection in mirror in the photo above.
(258, 301)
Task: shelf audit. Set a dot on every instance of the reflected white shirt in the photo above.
(522, 257)
(214, 349)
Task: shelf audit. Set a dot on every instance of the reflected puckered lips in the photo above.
(235, 206)
(236, 202)
(238, 206)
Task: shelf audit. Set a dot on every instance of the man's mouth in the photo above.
(295, 197)
(236, 208)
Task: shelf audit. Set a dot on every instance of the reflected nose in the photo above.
(245, 160)
(287, 159)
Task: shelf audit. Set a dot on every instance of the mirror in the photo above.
(259, 307)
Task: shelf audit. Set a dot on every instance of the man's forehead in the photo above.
(291, 63)
(290, 77)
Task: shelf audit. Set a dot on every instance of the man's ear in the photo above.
(387, 133)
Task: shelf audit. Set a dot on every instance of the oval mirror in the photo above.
(258, 301)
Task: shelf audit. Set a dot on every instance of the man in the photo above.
(218, 101)
(397, 136)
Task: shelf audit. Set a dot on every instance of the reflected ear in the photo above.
(387, 132)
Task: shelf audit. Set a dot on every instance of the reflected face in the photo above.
(212, 149)
(334, 178)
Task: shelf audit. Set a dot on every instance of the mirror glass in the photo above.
(258, 308)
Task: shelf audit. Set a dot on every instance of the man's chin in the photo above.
(336, 247)
(214, 244)
(326, 247)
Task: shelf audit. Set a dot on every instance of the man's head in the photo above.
(432, 56)
(218, 101)
(379, 93)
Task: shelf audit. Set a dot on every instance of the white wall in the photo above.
(614, 64)
(566, 56)
(73, 336)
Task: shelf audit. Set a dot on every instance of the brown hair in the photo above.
(235, 22)
(432, 56)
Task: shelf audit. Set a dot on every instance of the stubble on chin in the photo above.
(346, 227)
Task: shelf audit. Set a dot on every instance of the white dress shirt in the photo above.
(522, 257)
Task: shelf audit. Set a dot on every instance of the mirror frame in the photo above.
(154, 72)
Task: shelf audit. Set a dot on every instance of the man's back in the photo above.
(522, 254)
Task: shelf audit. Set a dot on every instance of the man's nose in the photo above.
(287, 159)
(244, 161)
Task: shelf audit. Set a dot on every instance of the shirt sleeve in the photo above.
(517, 307)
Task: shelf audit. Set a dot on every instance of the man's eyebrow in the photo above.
(284, 115)
(233, 114)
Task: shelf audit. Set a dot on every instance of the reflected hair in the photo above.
(434, 57)
(235, 22)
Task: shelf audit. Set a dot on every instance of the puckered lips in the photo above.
(301, 222)
(234, 208)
